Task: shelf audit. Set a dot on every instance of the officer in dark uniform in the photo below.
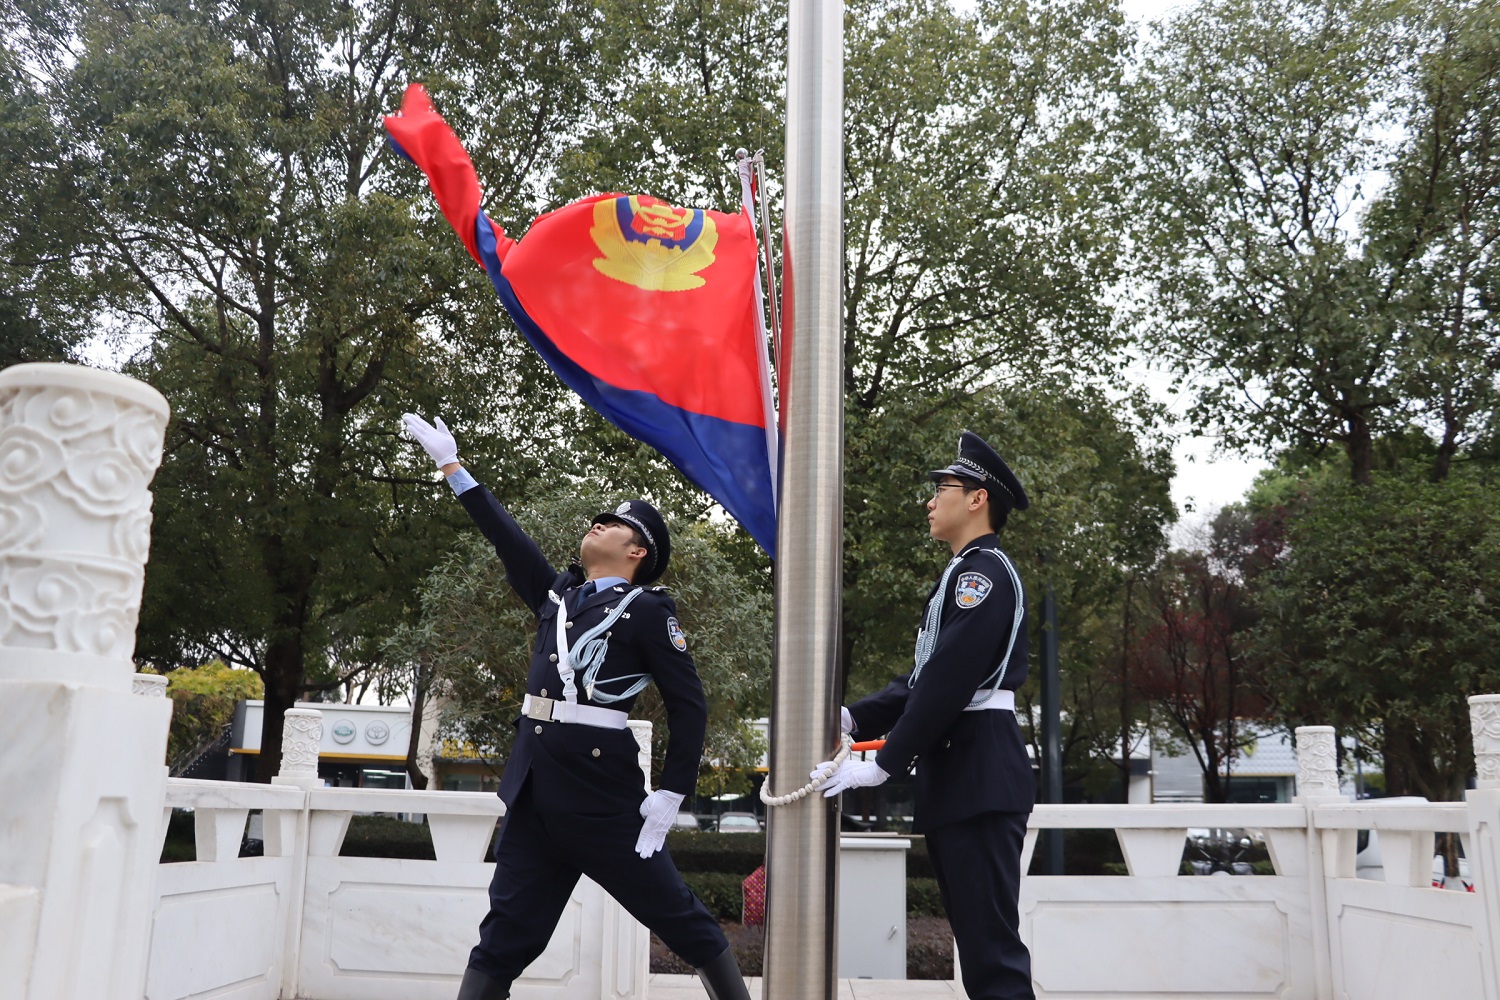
(954, 715)
(572, 787)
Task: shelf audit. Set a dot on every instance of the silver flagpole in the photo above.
(802, 845)
(773, 295)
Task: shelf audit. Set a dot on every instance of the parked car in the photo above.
(736, 822)
(685, 821)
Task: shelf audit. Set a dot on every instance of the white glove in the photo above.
(436, 441)
(846, 721)
(851, 774)
(658, 810)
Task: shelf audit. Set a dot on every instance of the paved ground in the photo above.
(664, 986)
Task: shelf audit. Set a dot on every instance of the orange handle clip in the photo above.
(868, 745)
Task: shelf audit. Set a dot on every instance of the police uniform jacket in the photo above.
(581, 768)
(968, 763)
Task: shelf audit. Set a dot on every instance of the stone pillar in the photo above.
(149, 685)
(1329, 853)
(1317, 762)
(1483, 847)
(301, 734)
(82, 775)
(641, 730)
(288, 834)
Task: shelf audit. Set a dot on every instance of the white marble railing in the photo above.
(1312, 930)
(304, 922)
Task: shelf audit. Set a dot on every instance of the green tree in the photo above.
(236, 207)
(38, 288)
(1435, 229)
(1314, 303)
(1379, 617)
(474, 634)
(1256, 122)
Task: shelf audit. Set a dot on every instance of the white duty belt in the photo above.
(557, 710)
(1002, 698)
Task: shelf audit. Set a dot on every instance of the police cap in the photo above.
(978, 461)
(644, 518)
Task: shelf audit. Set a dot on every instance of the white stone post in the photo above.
(1484, 833)
(148, 685)
(82, 775)
(1329, 853)
(641, 730)
(288, 834)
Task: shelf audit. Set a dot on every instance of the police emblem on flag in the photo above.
(972, 588)
(651, 244)
(675, 633)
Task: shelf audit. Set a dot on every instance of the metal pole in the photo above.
(802, 841)
(1051, 730)
(773, 297)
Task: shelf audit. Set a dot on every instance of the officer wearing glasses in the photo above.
(572, 786)
(954, 716)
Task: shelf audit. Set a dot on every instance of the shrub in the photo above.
(922, 898)
(388, 837)
(721, 892)
(739, 853)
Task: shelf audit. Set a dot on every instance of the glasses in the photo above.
(927, 494)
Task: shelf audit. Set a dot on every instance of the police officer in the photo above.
(954, 715)
(572, 787)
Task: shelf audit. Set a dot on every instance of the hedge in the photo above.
(723, 894)
(742, 853)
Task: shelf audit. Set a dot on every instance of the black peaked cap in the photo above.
(978, 461)
(644, 518)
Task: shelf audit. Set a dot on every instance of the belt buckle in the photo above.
(539, 708)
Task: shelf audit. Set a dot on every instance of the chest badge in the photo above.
(675, 633)
(972, 589)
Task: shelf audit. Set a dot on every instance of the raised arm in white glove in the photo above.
(658, 810)
(851, 774)
(436, 441)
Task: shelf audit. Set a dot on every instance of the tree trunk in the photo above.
(1360, 446)
(292, 578)
(1125, 696)
(414, 772)
(283, 677)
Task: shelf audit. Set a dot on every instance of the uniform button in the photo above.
(608, 634)
(947, 744)
(544, 692)
(553, 658)
(539, 730)
(570, 624)
(595, 751)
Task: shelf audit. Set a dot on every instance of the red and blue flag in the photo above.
(648, 311)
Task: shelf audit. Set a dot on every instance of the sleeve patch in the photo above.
(675, 633)
(972, 589)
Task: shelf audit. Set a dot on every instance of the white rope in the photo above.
(845, 742)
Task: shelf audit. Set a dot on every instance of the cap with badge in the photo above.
(978, 461)
(644, 518)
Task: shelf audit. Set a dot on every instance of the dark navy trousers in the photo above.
(538, 859)
(977, 862)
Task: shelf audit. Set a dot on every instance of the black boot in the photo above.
(722, 978)
(478, 986)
